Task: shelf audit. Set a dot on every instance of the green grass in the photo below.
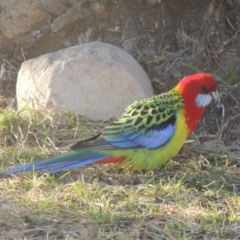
(194, 197)
(230, 74)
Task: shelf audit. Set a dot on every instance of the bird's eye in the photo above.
(204, 88)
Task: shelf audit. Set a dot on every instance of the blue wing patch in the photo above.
(151, 137)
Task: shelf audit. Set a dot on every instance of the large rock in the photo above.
(95, 79)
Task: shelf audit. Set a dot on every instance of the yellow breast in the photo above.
(150, 159)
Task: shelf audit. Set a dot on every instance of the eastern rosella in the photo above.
(146, 136)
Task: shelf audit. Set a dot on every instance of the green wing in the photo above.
(146, 123)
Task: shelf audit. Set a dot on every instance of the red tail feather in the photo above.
(111, 160)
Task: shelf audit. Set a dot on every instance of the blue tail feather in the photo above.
(60, 163)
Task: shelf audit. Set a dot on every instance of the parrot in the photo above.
(150, 132)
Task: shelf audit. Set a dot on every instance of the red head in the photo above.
(197, 90)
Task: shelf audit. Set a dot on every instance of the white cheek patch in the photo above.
(202, 100)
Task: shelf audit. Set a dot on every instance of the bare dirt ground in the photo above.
(160, 34)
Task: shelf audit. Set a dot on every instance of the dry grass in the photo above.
(8, 76)
(194, 197)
